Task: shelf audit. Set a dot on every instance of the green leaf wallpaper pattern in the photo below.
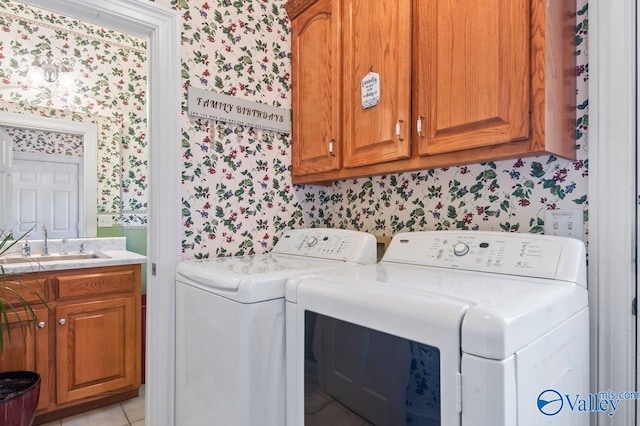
(247, 44)
(237, 191)
(106, 85)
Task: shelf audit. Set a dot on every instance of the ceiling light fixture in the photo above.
(50, 67)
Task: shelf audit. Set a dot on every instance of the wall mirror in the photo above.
(62, 75)
(85, 203)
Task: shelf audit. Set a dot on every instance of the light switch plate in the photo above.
(564, 223)
(105, 221)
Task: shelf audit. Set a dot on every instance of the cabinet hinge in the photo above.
(153, 269)
(634, 306)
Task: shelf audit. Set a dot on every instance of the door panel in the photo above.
(97, 341)
(316, 89)
(472, 79)
(47, 191)
(377, 38)
(27, 348)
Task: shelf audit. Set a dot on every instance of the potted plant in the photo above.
(19, 390)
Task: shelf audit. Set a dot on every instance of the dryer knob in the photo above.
(460, 249)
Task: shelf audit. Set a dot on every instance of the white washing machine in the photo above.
(450, 328)
(230, 326)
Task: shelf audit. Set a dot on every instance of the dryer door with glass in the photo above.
(372, 353)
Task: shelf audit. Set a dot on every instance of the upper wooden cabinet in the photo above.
(315, 76)
(472, 74)
(460, 82)
(376, 40)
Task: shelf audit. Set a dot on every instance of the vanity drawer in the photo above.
(97, 281)
(33, 290)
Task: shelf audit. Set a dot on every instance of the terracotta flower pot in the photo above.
(19, 393)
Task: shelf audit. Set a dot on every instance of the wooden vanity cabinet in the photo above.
(484, 81)
(86, 345)
(26, 347)
(97, 332)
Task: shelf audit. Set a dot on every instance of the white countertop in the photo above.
(113, 249)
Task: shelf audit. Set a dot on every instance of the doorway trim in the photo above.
(161, 27)
(613, 217)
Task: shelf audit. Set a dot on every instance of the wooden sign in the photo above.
(230, 109)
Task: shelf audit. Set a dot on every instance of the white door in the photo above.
(46, 188)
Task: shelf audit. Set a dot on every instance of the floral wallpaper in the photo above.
(103, 81)
(46, 142)
(237, 191)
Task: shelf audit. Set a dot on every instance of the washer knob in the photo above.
(312, 241)
(460, 249)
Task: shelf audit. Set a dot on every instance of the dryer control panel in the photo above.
(325, 243)
(529, 255)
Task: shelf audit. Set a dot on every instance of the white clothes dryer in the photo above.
(449, 328)
(230, 326)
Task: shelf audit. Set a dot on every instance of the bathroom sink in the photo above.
(52, 258)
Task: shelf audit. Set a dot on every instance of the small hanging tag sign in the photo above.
(370, 89)
(230, 109)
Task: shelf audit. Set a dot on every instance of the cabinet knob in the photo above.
(41, 324)
(62, 321)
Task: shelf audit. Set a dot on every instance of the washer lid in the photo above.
(503, 313)
(249, 279)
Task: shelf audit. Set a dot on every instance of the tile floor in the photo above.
(126, 413)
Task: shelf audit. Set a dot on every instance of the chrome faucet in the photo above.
(63, 245)
(26, 248)
(45, 250)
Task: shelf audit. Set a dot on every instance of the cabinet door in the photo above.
(472, 74)
(27, 348)
(96, 348)
(315, 54)
(377, 39)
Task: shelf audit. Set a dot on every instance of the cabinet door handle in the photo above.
(419, 126)
(399, 129)
(331, 142)
(41, 324)
(62, 321)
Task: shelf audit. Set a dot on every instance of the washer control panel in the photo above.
(325, 243)
(498, 252)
